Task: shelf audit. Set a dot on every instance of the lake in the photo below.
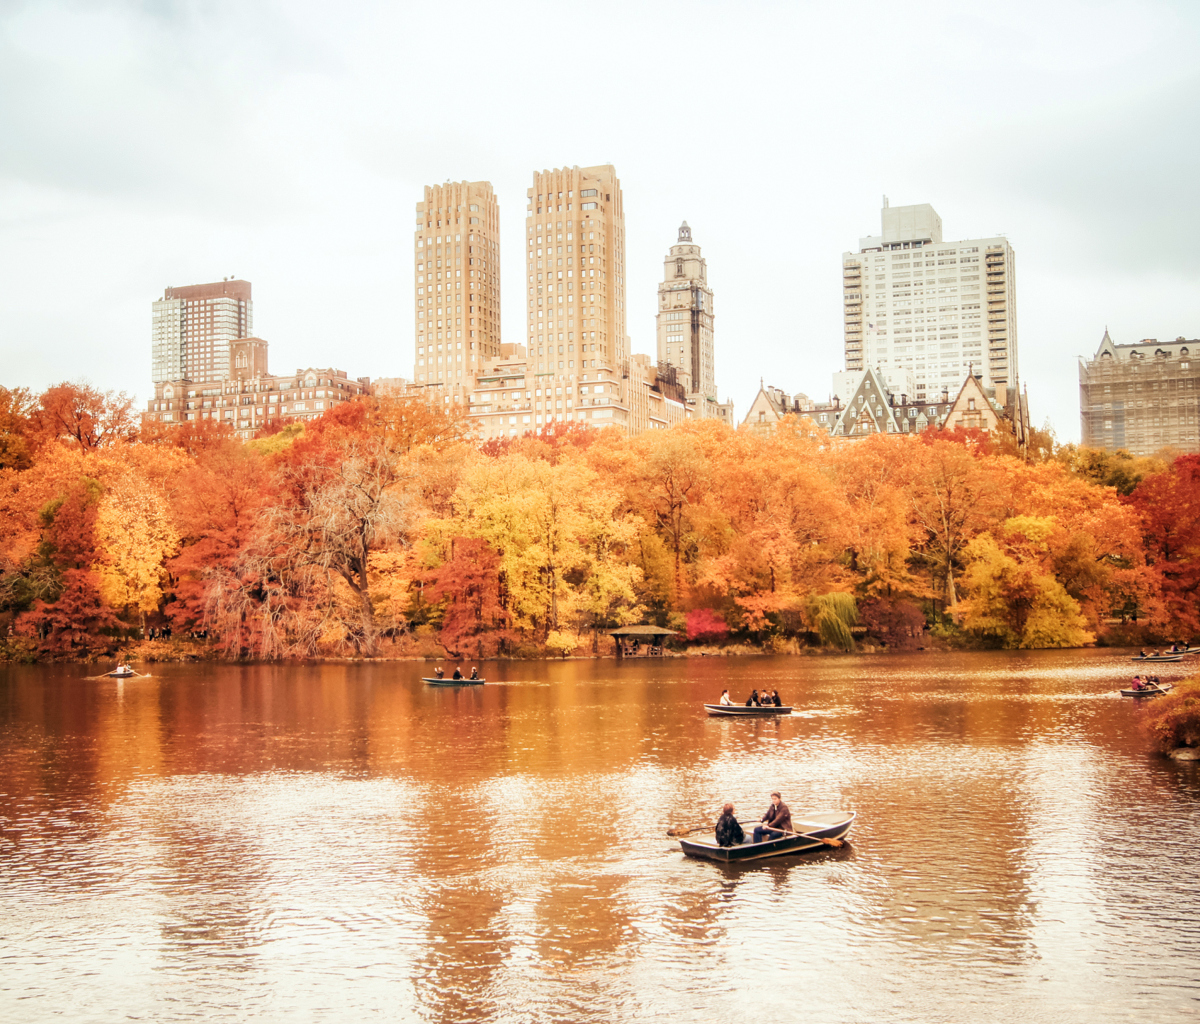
(341, 842)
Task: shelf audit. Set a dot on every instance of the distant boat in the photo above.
(435, 681)
(752, 711)
(1159, 657)
(121, 672)
(1153, 690)
(816, 827)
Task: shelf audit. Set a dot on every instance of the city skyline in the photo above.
(300, 176)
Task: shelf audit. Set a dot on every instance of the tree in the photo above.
(1013, 596)
(1168, 504)
(134, 538)
(83, 415)
(469, 584)
(16, 404)
(706, 624)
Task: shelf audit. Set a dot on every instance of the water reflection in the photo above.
(335, 841)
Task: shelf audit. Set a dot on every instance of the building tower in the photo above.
(914, 302)
(685, 317)
(192, 328)
(575, 240)
(457, 281)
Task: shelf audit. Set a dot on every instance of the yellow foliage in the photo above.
(134, 537)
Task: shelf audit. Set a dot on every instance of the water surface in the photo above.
(341, 842)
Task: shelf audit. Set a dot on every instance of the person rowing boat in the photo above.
(777, 819)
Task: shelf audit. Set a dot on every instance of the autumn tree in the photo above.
(1168, 503)
(85, 416)
(16, 449)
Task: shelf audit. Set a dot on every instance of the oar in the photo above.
(679, 831)
(835, 843)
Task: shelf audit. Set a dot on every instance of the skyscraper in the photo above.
(685, 317)
(193, 327)
(457, 281)
(575, 240)
(914, 302)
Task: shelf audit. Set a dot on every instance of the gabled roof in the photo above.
(868, 411)
(1106, 345)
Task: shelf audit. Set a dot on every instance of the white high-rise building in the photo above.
(193, 327)
(916, 303)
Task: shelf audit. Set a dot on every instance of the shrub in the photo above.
(1175, 721)
(705, 624)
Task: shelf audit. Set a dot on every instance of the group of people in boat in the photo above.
(756, 699)
(1144, 683)
(776, 822)
(458, 673)
(1178, 647)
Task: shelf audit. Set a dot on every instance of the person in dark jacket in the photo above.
(729, 832)
(457, 672)
(775, 699)
(752, 700)
(777, 820)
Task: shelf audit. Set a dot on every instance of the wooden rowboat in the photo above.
(434, 681)
(1149, 691)
(814, 827)
(121, 672)
(742, 711)
(1159, 657)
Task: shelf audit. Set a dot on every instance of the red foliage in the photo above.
(193, 436)
(470, 584)
(705, 624)
(1169, 506)
(74, 624)
(85, 416)
(897, 623)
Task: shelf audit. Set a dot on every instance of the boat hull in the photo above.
(818, 826)
(741, 711)
(434, 681)
(1153, 691)
(1161, 658)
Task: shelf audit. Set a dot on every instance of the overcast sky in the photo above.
(162, 143)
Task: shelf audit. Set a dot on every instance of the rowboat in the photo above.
(434, 681)
(1159, 657)
(814, 827)
(121, 672)
(742, 711)
(1149, 691)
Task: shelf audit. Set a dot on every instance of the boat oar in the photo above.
(679, 831)
(835, 843)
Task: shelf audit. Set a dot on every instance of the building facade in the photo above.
(865, 404)
(1141, 397)
(247, 397)
(684, 328)
(456, 281)
(193, 326)
(575, 245)
(937, 308)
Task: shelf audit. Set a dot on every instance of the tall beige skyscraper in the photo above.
(457, 281)
(685, 317)
(193, 326)
(575, 239)
(913, 302)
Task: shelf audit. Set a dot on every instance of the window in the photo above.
(589, 206)
(587, 192)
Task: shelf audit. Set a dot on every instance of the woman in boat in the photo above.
(474, 672)
(439, 672)
(752, 700)
(726, 701)
(1136, 684)
(775, 699)
(729, 831)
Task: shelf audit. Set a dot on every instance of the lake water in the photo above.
(341, 842)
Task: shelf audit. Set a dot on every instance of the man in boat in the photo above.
(729, 831)
(775, 699)
(474, 672)
(752, 700)
(457, 672)
(726, 701)
(778, 819)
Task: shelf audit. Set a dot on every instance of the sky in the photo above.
(155, 143)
